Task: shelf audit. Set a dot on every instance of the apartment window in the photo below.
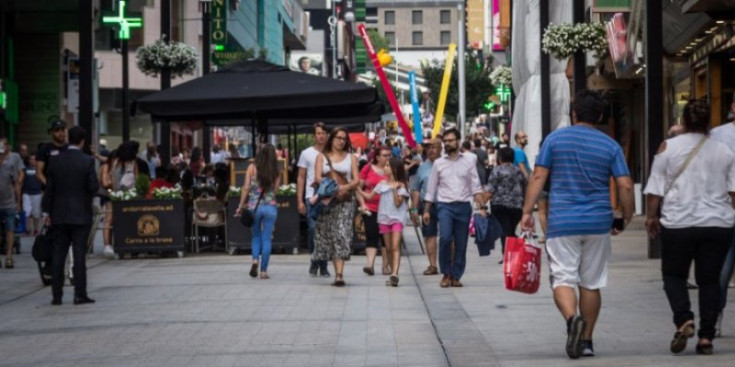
(417, 38)
(389, 17)
(391, 38)
(417, 17)
(445, 17)
(445, 37)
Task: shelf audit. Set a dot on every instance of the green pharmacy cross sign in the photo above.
(125, 23)
(504, 92)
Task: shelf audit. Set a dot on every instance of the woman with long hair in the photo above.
(694, 176)
(261, 181)
(125, 166)
(370, 176)
(333, 232)
(392, 212)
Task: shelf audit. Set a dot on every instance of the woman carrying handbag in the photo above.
(334, 227)
(259, 197)
(694, 177)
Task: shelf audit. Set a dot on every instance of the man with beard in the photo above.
(57, 146)
(452, 184)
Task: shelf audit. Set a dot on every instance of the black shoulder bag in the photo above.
(248, 216)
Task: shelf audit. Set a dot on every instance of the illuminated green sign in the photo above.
(3, 100)
(124, 23)
(504, 92)
(489, 106)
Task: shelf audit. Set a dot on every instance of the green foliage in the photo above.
(478, 86)
(142, 184)
(378, 40)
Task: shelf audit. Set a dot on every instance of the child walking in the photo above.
(392, 213)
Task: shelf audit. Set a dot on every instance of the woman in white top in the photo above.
(695, 223)
(333, 231)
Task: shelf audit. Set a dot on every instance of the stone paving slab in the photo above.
(205, 310)
(634, 328)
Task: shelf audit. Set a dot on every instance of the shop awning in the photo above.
(257, 90)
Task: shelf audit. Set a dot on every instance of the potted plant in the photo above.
(180, 58)
(502, 75)
(564, 40)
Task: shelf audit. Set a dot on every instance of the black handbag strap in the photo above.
(259, 198)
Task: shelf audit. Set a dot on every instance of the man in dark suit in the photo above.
(71, 184)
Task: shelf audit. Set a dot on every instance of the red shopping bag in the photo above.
(521, 265)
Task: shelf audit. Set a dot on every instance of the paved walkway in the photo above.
(205, 311)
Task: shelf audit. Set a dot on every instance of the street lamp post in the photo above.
(206, 65)
(124, 24)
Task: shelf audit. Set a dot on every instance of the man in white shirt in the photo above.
(452, 185)
(218, 155)
(725, 133)
(307, 170)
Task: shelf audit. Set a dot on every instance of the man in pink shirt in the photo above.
(452, 185)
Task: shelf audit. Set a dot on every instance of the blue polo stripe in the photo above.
(581, 161)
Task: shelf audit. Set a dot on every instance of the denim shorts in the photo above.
(7, 216)
(430, 229)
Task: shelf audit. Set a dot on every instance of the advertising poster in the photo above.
(310, 63)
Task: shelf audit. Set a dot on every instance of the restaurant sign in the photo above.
(224, 51)
(148, 225)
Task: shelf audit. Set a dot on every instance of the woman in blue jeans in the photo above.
(259, 195)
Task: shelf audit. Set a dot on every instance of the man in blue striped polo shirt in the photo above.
(580, 161)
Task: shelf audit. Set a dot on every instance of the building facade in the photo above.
(39, 53)
(418, 30)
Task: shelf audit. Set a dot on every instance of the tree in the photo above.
(478, 86)
(378, 40)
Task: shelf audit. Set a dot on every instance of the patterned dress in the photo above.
(333, 232)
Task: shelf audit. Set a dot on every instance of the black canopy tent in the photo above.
(257, 93)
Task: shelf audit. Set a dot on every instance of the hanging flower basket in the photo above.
(592, 37)
(502, 75)
(564, 40)
(179, 58)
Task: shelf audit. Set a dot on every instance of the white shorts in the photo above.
(32, 205)
(578, 261)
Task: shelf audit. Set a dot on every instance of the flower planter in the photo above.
(148, 226)
(286, 235)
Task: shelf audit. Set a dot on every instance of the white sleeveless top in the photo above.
(344, 167)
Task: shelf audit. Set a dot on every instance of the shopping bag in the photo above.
(20, 222)
(522, 265)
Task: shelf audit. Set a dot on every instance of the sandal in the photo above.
(264, 275)
(338, 281)
(679, 342)
(431, 270)
(386, 270)
(9, 263)
(368, 270)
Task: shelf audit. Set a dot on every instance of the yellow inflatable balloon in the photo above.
(384, 57)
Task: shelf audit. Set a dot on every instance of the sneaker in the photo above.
(324, 273)
(575, 328)
(313, 268)
(588, 350)
(108, 252)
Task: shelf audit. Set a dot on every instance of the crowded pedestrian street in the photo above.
(206, 311)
